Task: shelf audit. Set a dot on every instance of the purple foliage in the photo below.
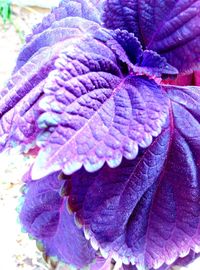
(44, 216)
(110, 121)
(89, 91)
(144, 208)
(170, 28)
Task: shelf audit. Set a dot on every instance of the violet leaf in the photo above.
(171, 28)
(146, 211)
(142, 62)
(43, 33)
(133, 267)
(94, 112)
(187, 259)
(44, 216)
(153, 64)
(19, 103)
(179, 262)
(19, 100)
(56, 37)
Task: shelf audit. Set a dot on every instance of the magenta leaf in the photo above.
(171, 28)
(44, 216)
(184, 80)
(94, 112)
(146, 211)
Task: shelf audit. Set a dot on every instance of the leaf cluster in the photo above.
(105, 95)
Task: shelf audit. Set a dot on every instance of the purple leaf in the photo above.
(88, 9)
(44, 216)
(141, 62)
(146, 211)
(95, 113)
(179, 262)
(130, 44)
(133, 267)
(153, 64)
(19, 103)
(43, 32)
(57, 37)
(19, 100)
(101, 264)
(18, 124)
(188, 259)
(122, 15)
(171, 28)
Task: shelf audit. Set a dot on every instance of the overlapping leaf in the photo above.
(95, 111)
(19, 100)
(147, 211)
(92, 91)
(142, 62)
(19, 104)
(170, 28)
(179, 262)
(44, 216)
(88, 9)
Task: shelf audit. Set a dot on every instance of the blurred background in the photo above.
(18, 252)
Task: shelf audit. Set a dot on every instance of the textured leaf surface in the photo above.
(179, 262)
(112, 57)
(44, 215)
(66, 9)
(87, 9)
(147, 211)
(19, 100)
(95, 112)
(142, 62)
(170, 28)
(67, 28)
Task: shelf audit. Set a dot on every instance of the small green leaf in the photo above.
(5, 10)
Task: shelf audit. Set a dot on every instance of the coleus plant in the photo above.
(94, 97)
